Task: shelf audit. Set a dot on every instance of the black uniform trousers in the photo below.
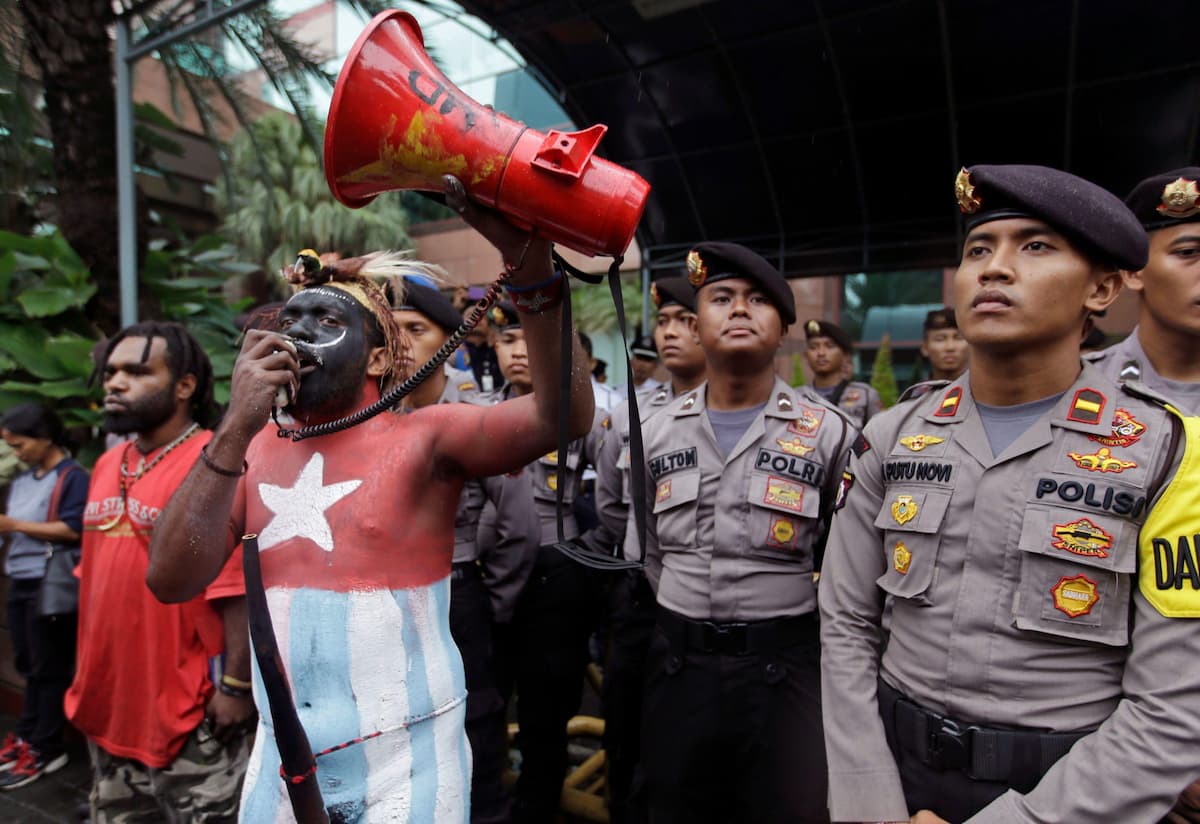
(545, 653)
(734, 737)
(632, 612)
(45, 656)
(471, 628)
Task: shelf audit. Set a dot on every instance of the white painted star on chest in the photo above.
(299, 511)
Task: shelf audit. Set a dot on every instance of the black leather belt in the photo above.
(737, 638)
(1015, 757)
(464, 570)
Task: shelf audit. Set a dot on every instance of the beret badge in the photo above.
(696, 268)
(964, 192)
(654, 296)
(813, 328)
(1179, 199)
(497, 316)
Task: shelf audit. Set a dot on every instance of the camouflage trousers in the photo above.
(202, 785)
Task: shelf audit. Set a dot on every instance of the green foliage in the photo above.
(46, 341)
(593, 310)
(882, 376)
(798, 378)
(279, 203)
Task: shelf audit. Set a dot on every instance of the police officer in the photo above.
(828, 350)
(545, 646)
(743, 470)
(631, 605)
(943, 345)
(1163, 351)
(644, 361)
(1033, 671)
(428, 320)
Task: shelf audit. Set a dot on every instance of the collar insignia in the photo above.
(964, 192)
(784, 402)
(918, 442)
(690, 402)
(697, 269)
(949, 405)
(1179, 199)
(1087, 406)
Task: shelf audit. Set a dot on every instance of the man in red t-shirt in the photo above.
(165, 741)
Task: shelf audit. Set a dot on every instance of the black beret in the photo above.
(431, 303)
(1091, 217)
(824, 329)
(940, 319)
(1167, 199)
(644, 347)
(666, 291)
(711, 262)
(503, 315)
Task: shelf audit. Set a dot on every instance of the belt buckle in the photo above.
(727, 638)
(950, 745)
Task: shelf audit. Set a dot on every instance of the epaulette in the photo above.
(1141, 391)
(918, 390)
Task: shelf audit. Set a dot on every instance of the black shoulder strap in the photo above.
(835, 397)
(829, 498)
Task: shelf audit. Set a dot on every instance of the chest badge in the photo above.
(663, 492)
(551, 457)
(794, 447)
(904, 509)
(1126, 430)
(784, 493)
(901, 558)
(916, 443)
(1100, 461)
(552, 481)
(1075, 596)
(852, 396)
(1082, 537)
(809, 422)
(782, 534)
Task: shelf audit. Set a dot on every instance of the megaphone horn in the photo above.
(396, 122)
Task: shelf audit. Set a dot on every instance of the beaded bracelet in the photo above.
(535, 298)
(228, 473)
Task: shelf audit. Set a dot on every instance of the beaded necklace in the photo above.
(128, 478)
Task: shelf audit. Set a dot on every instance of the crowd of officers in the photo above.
(972, 606)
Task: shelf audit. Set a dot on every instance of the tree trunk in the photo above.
(70, 43)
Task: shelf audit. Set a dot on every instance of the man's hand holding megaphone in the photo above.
(526, 256)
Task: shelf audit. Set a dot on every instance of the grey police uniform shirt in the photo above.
(542, 476)
(860, 402)
(731, 536)
(508, 556)
(1127, 360)
(614, 487)
(1016, 603)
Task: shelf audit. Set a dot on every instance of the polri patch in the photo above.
(1126, 430)
(1075, 596)
(1087, 406)
(801, 469)
(1101, 460)
(784, 493)
(1082, 537)
(948, 408)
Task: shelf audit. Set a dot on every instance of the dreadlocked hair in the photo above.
(184, 357)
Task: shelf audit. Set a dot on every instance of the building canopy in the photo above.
(827, 134)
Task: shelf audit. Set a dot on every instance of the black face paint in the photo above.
(335, 330)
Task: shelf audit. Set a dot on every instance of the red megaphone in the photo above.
(396, 122)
